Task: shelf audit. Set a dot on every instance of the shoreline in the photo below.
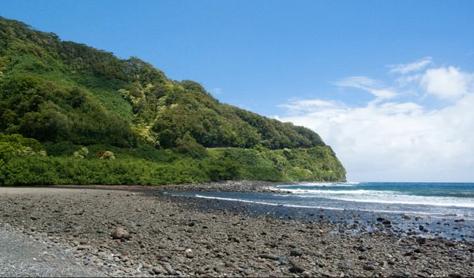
(223, 186)
(187, 236)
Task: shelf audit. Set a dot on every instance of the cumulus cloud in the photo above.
(395, 140)
(411, 67)
(447, 82)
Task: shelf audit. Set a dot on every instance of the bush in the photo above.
(222, 170)
(148, 166)
(61, 148)
(188, 145)
(81, 153)
(106, 155)
(12, 146)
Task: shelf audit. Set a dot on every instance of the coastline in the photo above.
(224, 186)
(187, 236)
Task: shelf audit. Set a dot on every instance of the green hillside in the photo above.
(72, 114)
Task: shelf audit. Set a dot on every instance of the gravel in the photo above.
(137, 231)
(22, 255)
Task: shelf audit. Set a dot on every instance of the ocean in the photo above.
(434, 199)
(446, 208)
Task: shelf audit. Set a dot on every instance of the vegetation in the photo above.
(72, 114)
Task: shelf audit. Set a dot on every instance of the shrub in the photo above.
(81, 153)
(188, 145)
(106, 155)
(12, 146)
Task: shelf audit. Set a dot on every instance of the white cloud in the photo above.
(367, 84)
(411, 67)
(383, 93)
(360, 82)
(308, 105)
(447, 82)
(398, 140)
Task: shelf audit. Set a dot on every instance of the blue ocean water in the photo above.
(423, 209)
(445, 200)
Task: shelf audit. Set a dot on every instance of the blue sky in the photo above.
(324, 64)
(259, 54)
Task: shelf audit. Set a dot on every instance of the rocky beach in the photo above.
(146, 231)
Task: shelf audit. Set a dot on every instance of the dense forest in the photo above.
(70, 113)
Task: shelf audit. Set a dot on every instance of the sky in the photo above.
(388, 84)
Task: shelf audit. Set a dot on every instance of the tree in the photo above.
(188, 145)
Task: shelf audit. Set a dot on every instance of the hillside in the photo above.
(70, 113)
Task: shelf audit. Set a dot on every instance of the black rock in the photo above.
(296, 253)
(283, 260)
(269, 257)
(295, 267)
(421, 240)
(369, 267)
(450, 244)
(362, 248)
(234, 239)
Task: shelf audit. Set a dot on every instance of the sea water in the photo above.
(434, 199)
(431, 209)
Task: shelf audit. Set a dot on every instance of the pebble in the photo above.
(189, 253)
(158, 270)
(268, 256)
(369, 267)
(255, 246)
(83, 247)
(296, 253)
(296, 267)
(120, 233)
(421, 240)
(168, 268)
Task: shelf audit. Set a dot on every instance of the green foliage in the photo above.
(72, 100)
(222, 170)
(166, 166)
(81, 153)
(12, 146)
(69, 90)
(188, 145)
(62, 148)
(46, 111)
(106, 155)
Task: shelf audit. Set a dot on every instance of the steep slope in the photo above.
(68, 95)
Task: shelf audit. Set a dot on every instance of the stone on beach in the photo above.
(234, 242)
(120, 233)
